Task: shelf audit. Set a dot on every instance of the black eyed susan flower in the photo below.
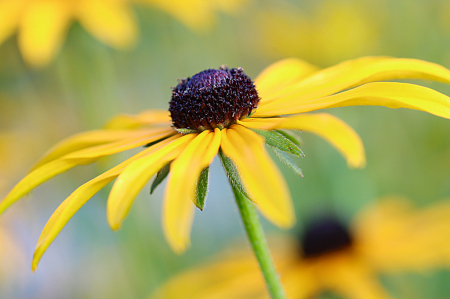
(43, 24)
(387, 237)
(223, 111)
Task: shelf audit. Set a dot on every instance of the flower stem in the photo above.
(255, 234)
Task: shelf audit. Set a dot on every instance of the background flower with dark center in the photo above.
(43, 24)
(220, 111)
(387, 237)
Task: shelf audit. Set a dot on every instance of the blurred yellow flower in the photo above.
(42, 25)
(220, 111)
(333, 31)
(388, 237)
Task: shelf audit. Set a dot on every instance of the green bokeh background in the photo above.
(408, 152)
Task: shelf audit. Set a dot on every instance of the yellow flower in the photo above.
(388, 237)
(43, 24)
(220, 111)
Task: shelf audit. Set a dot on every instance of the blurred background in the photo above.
(87, 80)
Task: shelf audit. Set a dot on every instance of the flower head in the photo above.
(217, 111)
(387, 237)
(212, 99)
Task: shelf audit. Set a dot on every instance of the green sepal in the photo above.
(233, 174)
(160, 176)
(186, 131)
(297, 140)
(284, 157)
(202, 189)
(278, 140)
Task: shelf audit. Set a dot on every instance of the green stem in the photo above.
(255, 234)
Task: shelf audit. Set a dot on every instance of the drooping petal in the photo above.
(388, 94)
(81, 141)
(395, 237)
(340, 135)
(42, 29)
(136, 139)
(135, 176)
(299, 282)
(281, 74)
(79, 197)
(126, 121)
(65, 212)
(178, 207)
(348, 276)
(10, 11)
(261, 123)
(111, 21)
(235, 276)
(212, 149)
(347, 75)
(80, 157)
(35, 178)
(197, 14)
(259, 174)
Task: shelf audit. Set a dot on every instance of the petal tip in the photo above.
(288, 222)
(179, 246)
(34, 265)
(115, 226)
(357, 164)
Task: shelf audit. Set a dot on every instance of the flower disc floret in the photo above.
(212, 99)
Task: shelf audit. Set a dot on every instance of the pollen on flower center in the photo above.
(212, 99)
(324, 236)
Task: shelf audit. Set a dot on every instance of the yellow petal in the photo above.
(298, 282)
(229, 6)
(396, 237)
(135, 176)
(84, 156)
(349, 277)
(79, 197)
(281, 74)
(178, 209)
(212, 149)
(259, 174)
(266, 123)
(347, 75)
(111, 21)
(64, 213)
(42, 29)
(135, 139)
(197, 14)
(81, 141)
(340, 135)
(10, 11)
(236, 276)
(126, 121)
(388, 94)
(34, 179)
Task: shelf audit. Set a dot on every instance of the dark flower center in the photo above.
(212, 99)
(324, 236)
